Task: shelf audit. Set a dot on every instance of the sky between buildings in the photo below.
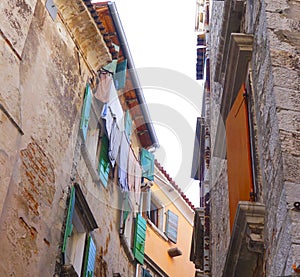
(162, 42)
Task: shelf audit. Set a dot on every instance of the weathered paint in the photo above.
(41, 97)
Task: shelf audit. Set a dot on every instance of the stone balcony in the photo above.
(246, 248)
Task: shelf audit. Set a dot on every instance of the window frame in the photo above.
(159, 212)
(80, 219)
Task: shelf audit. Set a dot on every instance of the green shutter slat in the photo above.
(171, 226)
(104, 165)
(147, 162)
(120, 75)
(128, 125)
(139, 239)
(86, 109)
(111, 67)
(69, 225)
(90, 258)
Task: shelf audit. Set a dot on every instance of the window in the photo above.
(156, 213)
(104, 164)
(90, 127)
(146, 273)
(240, 183)
(126, 224)
(153, 214)
(92, 139)
(79, 249)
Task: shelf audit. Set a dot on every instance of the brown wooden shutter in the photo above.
(240, 183)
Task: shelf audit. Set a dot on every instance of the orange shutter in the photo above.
(240, 183)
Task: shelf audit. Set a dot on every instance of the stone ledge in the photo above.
(244, 256)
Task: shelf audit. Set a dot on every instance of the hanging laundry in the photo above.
(114, 143)
(103, 89)
(115, 107)
(131, 170)
(123, 163)
(137, 181)
(109, 119)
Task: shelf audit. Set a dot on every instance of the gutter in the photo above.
(135, 80)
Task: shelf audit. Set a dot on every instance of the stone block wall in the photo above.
(282, 23)
(275, 76)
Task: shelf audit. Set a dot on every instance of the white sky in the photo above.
(161, 34)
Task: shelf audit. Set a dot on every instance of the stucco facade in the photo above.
(167, 252)
(50, 59)
(256, 44)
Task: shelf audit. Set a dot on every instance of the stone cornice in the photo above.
(239, 55)
(85, 32)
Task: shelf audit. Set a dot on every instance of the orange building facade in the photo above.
(169, 226)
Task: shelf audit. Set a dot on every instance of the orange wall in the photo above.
(156, 248)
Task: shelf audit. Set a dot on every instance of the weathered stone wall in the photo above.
(42, 87)
(41, 93)
(218, 167)
(275, 82)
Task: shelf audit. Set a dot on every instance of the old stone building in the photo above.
(76, 141)
(249, 138)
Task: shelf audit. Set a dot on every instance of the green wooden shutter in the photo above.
(69, 225)
(128, 125)
(86, 109)
(89, 258)
(120, 75)
(147, 161)
(104, 166)
(171, 226)
(139, 239)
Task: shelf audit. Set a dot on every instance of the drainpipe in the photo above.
(133, 73)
